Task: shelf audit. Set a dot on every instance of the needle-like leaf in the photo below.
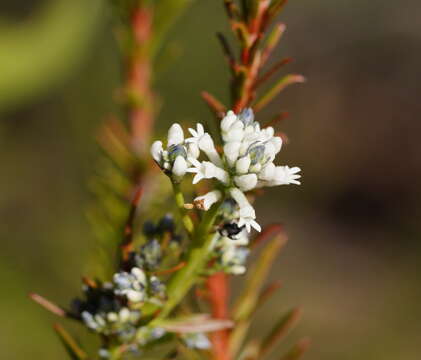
(214, 104)
(48, 305)
(280, 85)
(297, 351)
(279, 331)
(72, 347)
(246, 304)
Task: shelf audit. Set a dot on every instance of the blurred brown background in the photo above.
(352, 260)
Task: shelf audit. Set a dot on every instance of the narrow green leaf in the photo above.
(276, 7)
(257, 276)
(272, 40)
(167, 13)
(246, 304)
(279, 331)
(73, 349)
(253, 9)
(280, 85)
(297, 351)
(214, 104)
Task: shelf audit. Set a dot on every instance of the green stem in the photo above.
(196, 259)
(185, 218)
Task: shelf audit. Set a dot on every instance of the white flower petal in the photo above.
(198, 177)
(231, 152)
(242, 165)
(255, 225)
(135, 296)
(268, 172)
(204, 202)
(139, 274)
(179, 168)
(239, 197)
(192, 150)
(228, 120)
(233, 135)
(175, 135)
(246, 182)
(156, 150)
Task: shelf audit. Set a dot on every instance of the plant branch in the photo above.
(179, 200)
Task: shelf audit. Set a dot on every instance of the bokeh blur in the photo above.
(354, 225)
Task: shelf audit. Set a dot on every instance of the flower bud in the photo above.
(231, 151)
(242, 165)
(228, 120)
(175, 135)
(246, 182)
(246, 116)
(180, 166)
(156, 150)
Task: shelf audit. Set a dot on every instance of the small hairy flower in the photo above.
(173, 159)
(131, 285)
(207, 170)
(204, 202)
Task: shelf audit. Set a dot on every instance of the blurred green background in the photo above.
(352, 260)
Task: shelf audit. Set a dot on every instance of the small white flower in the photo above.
(207, 146)
(268, 172)
(242, 165)
(180, 166)
(239, 197)
(124, 314)
(132, 285)
(156, 150)
(205, 143)
(232, 151)
(198, 133)
(276, 141)
(204, 202)
(175, 135)
(192, 150)
(246, 182)
(207, 170)
(228, 120)
(234, 133)
(112, 317)
(134, 295)
(247, 219)
(284, 175)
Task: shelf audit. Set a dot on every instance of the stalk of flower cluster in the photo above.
(196, 259)
(179, 200)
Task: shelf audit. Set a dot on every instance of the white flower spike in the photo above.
(246, 162)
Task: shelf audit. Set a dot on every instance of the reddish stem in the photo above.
(139, 79)
(218, 295)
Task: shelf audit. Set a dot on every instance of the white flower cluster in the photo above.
(246, 162)
(121, 323)
(136, 287)
(232, 252)
(174, 159)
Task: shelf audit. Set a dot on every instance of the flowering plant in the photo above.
(150, 303)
